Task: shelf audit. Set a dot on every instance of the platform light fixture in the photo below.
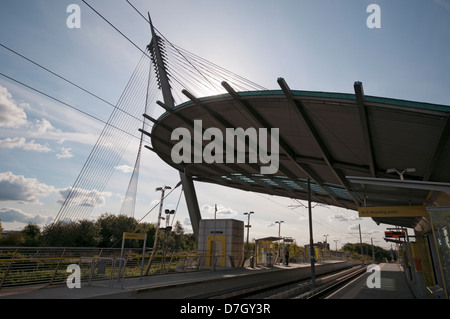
(406, 170)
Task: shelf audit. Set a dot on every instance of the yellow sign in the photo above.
(134, 236)
(392, 211)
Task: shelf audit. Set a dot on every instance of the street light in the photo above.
(336, 241)
(279, 235)
(248, 227)
(279, 226)
(162, 190)
(336, 253)
(167, 229)
(168, 213)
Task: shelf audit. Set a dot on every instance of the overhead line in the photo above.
(115, 28)
(64, 103)
(66, 80)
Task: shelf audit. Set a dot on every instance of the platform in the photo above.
(393, 285)
(140, 288)
(194, 284)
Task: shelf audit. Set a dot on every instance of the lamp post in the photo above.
(248, 228)
(279, 226)
(162, 190)
(279, 235)
(167, 229)
(311, 240)
(336, 241)
(214, 239)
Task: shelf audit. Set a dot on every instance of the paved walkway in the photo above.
(393, 285)
(130, 285)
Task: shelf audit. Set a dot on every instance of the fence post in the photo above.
(57, 266)
(9, 267)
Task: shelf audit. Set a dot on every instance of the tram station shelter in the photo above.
(386, 158)
(221, 241)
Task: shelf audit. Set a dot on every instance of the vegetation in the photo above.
(108, 229)
(380, 253)
(105, 232)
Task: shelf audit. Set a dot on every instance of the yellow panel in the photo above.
(134, 236)
(221, 258)
(392, 211)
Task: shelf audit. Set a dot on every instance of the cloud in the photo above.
(336, 217)
(353, 227)
(83, 197)
(11, 115)
(443, 3)
(21, 143)
(221, 210)
(22, 189)
(124, 168)
(11, 215)
(44, 129)
(65, 153)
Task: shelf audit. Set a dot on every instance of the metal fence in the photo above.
(26, 266)
(106, 267)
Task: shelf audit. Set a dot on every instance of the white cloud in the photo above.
(221, 210)
(21, 143)
(22, 189)
(44, 129)
(354, 227)
(14, 118)
(65, 153)
(124, 168)
(83, 197)
(443, 3)
(11, 115)
(11, 215)
(336, 217)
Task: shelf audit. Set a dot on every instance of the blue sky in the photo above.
(315, 45)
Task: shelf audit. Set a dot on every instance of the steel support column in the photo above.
(186, 181)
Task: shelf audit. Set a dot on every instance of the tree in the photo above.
(112, 228)
(13, 239)
(58, 233)
(178, 228)
(355, 249)
(32, 235)
(87, 234)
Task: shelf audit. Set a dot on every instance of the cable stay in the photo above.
(184, 71)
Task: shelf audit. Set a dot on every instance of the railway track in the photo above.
(294, 288)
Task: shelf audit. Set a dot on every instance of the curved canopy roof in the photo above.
(324, 137)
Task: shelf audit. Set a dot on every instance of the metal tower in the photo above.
(186, 180)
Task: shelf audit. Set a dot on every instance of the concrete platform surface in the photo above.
(391, 284)
(134, 285)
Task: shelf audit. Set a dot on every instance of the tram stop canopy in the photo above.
(340, 142)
